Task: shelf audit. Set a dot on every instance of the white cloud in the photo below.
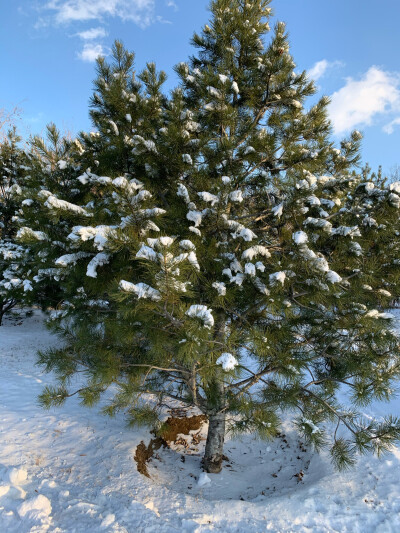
(91, 52)
(389, 128)
(319, 69)
(141, 12)
(171, 3)
(359, 102)
(93, 33)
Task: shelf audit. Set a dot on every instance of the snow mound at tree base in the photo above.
(253, 469)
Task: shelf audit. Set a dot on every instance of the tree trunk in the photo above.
(212, 462)
(4, 308)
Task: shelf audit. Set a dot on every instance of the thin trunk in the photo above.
(212, 462)
(4, 308)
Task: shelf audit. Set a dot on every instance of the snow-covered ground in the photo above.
(73, 470)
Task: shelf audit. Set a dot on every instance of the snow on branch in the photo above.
(28, 233)
(203, 313)
(70, 259)
(227, 361)
(55, 203)
(141, 290)
(97, 261)
(98, 234)
(254, 251)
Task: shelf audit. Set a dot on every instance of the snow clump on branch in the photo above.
(227, 361)
(141, 290)
(203, 313)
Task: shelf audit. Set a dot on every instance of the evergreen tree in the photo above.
(48, 214)
(247, 262)
(82, 263)
(13, 161)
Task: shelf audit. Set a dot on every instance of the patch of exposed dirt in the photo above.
(174, 426)
(145, 453)
(168, 434)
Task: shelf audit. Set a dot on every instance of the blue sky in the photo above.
(47, 49)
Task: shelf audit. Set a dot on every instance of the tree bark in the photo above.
(212, 462)
(5, 307)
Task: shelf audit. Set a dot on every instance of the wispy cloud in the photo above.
(91, 49)
(320, 68)
(389, 128)
(81, 13)
(90, 52)
(34, 119)
(92, 33)
(361, 101)
(171, 3)
(141, 12)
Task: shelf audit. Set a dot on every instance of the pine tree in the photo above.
(13, 161)
(48, 214)
(248, 263)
